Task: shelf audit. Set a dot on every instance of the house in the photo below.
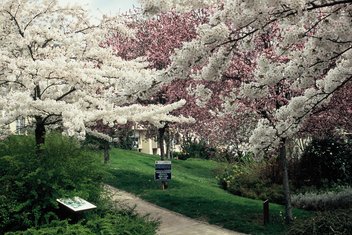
(143, 143)
(150, 145)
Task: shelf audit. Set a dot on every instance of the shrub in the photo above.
(30, 184)
(248, 180)
(324, 201)
(325, 162)
(197, 149)
(180, 156)
(110, 222)
(337, 222)
(55, 227)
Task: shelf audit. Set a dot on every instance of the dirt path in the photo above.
(171, 223)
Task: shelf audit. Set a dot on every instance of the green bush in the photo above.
(110, 222)
(197, 149)
(325, 162)
(324, 201)
(56, 227)
(31, 183)
(180, 156)
(337, 222)
(248, 180)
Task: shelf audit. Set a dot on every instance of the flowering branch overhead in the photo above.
(54, 70)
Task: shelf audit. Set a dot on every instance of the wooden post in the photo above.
(164, 185)
(266, 211)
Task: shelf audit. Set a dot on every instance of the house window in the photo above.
(20, 125)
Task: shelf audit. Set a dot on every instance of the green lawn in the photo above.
(193, 191)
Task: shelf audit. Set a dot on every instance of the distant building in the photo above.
(143, 143)
(19, 127)
(149, 145)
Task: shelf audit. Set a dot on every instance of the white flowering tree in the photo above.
(306, 59)
(54, 71)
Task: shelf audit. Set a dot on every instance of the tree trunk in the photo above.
(283, 158)
(39, 134)
(161, 137)
(106, 152)
(168, 141)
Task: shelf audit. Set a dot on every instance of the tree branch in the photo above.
(66, 94)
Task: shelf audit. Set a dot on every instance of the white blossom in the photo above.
(264, 136)
(201, 93)
(53, 68)
(312, 61)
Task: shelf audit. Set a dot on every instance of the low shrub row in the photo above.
(324, 201)
(324, 164)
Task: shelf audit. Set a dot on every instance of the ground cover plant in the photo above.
(194, 192)
(337, 222)
(110, 222)
(31, 183)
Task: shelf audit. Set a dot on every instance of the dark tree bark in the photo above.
(285, 181)
(161, 137)
(39, 134)
(168, 141)
(39, 131)
(106, 152)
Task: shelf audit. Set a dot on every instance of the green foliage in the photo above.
(30, 182)
(324, 201)
(337, 222)
(180, 155)
(196, 149)
(120, 223)
(93, 143)
(125, 138)
(249, 180)
(325, 162)
(111, 222)
(56, 227)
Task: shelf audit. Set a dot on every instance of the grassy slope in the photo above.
(193, 191)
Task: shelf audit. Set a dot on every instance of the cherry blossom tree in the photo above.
(308, 62)
(155, 39)
(54, 70)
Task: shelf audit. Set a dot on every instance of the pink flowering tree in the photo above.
(156, 39)
(306, 64)
(333, 116)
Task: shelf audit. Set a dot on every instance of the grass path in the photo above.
(193, 191)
